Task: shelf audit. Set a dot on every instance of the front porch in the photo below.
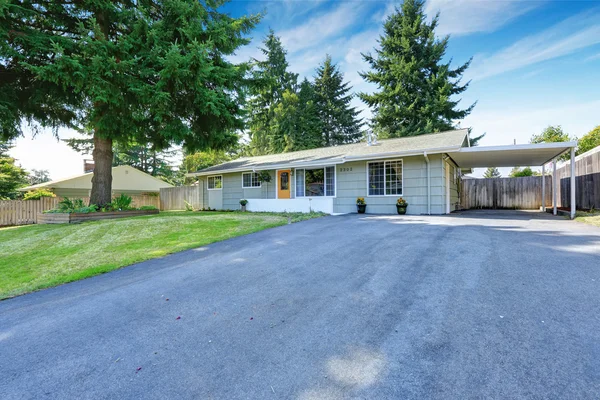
(299, 204)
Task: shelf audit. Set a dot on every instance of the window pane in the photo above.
(284, 181)
(246, 180)
(314, 182)
(375, 183)
(393, 177)
(299, 183)
(250, 179)
(330, 181)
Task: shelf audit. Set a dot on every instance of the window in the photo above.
(315, 182)
(385, 178)
(214, 182)
(250, 180)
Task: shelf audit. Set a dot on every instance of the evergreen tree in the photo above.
(12, 176)
(37, 176)
(492, 172)
(339, 122)
(311, 127)
(416, 90)
(123, 71)
(271, 79)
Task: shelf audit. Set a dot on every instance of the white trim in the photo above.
(324, 168)
(384, 180)
(214, 176)
(556, 145)
(250, 187)
(447, 188)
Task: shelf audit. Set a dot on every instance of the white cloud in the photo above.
(463, 17)
(592, 58)
(322, 28)
(566, 37)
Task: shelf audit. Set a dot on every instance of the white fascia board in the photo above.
(402, 154)
(478, 149)
(289, 165)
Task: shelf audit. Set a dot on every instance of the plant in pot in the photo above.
(361, 206)
(401, 205)
(243, 203)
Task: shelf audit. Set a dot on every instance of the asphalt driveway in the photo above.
(475, 305)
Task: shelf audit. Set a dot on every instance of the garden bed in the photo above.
(70, 218)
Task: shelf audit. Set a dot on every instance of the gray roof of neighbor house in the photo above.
(431, 143)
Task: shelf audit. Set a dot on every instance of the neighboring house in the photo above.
(329, 179)
(125, 179)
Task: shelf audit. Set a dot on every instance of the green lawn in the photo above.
(592, 218)
(40, 256)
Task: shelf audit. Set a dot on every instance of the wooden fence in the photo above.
(174, 198)
(587, 181)
(511, 193)
(24, 212)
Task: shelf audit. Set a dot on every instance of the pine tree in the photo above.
(12, 176)
(492, 172)
(123, 71)
(311, 127)
(271, 80)
(416, 90)
(339, 122)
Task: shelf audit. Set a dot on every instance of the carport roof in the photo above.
(509, 156)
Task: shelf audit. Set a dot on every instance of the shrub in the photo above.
(147, 208)
(121, 203)
(38, 194)
(188, 206)
(67, 205)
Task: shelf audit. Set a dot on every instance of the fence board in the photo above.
(587, 182)
(512, 193)
(174, 198)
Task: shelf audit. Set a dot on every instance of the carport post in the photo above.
(554, 188)
(573, 206)
(544, 188)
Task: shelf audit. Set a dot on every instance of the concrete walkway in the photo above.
(474, 305)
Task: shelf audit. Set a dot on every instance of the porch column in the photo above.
(554, 187)
(573, 206)
(544, 188)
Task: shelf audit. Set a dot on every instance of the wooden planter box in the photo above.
(64, 218)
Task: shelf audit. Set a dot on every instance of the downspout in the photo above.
(428, 183)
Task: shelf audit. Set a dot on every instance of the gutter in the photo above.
(428, 183)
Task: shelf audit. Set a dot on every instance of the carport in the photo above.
(523, 155)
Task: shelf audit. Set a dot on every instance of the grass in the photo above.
(40, 256)
(592, 218)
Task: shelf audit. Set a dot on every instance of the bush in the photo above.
(147, 208)
(121, 203)
(188, 206)
(38, 194)
(69, 206)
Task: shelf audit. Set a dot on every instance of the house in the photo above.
(330, 179)
(125, 179)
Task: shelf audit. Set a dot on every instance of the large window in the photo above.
(315, 182)
(385, 178)
(250, 180)
(214, 182)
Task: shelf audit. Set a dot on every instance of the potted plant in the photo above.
(243, 203)
(401, 205)
(361, 206)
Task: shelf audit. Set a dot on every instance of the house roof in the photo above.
(124, 178)
(431, 143)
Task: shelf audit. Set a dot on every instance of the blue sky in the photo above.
(535, 63)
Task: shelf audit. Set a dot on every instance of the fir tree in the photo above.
(311, 127)
(492, 172)
(12, 176)
(339, 122)
(416, 90)
(271, 80)
(123, 71)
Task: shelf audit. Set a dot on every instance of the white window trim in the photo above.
(250, 187)
(214, 176)
(385, 180)
(324, 168)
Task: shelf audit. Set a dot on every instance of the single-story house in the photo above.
(330, 179)
(425, 170)
(125, 179)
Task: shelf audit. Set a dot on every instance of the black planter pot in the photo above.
(361, 208)
(401, 209)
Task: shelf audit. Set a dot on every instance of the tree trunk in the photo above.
(102, 178)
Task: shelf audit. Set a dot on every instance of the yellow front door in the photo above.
(283, 184)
